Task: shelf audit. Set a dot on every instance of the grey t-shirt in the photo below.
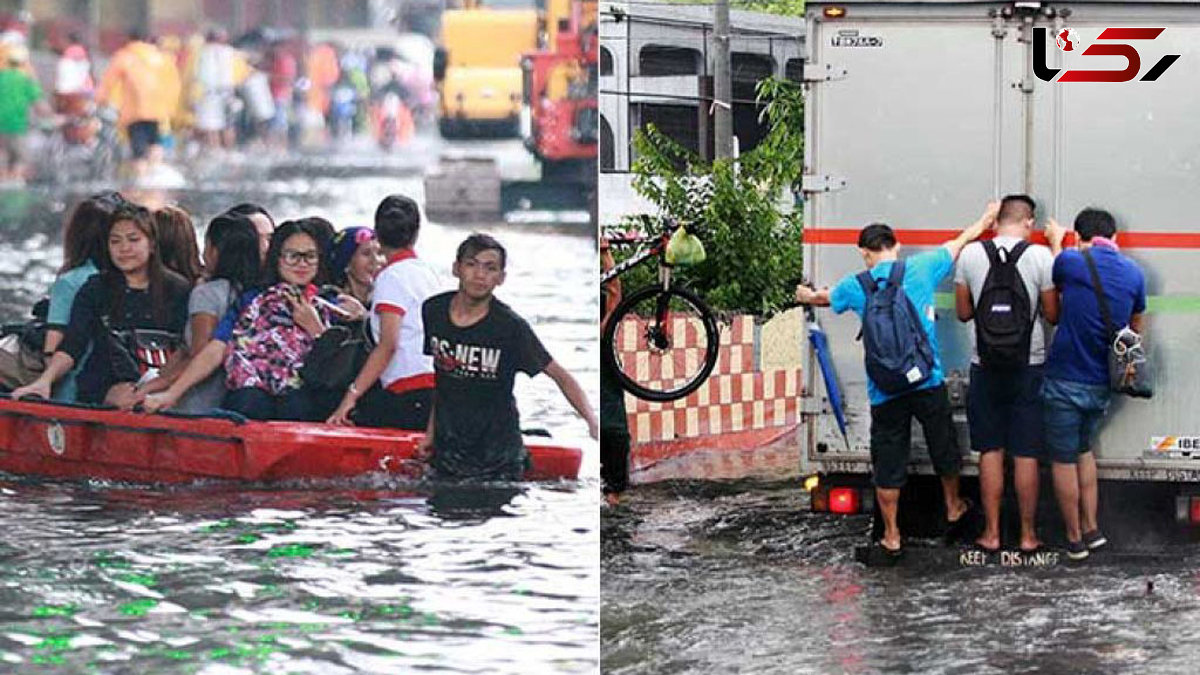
(1035, 267)
(210, 297)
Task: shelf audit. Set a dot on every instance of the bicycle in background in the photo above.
(661, 340)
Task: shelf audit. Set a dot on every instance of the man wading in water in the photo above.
(478, 344)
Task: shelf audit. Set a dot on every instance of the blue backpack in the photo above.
(898, 355)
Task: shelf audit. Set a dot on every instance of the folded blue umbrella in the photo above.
(820, 345)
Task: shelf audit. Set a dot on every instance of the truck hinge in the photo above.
(818, 72)
(811, 405)
(812, 183)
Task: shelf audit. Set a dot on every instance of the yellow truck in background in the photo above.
(478, 69)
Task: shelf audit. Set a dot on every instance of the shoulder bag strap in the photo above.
(1015, 253)
(993, 251)
(896, 274)
(1099, 289)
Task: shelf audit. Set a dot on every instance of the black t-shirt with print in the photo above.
(477, 431)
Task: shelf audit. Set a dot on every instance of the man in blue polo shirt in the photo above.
(928, 401)
(1076, 385)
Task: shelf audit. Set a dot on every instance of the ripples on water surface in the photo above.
(741, 577)
(320, 578)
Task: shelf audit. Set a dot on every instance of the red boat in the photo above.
(56, 440)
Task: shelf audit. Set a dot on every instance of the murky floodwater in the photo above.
(370, 575)
(741, 577)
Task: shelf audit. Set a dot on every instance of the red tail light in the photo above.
(1194, 511)
(845, 500)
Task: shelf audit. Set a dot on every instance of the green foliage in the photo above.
(781, 7)
(754, 253)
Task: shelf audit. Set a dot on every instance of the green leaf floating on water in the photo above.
(139, 579)
(219, 525)
(138, 607)
(55, 610)
(55, 643)
(248, 538)
(110, 561)
(291, 551)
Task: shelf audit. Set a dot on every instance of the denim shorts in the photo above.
(1005, 410)
(1073, 411)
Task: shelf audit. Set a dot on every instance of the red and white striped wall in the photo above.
(738, 409)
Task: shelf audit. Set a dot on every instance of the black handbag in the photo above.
(135, 351)
(21, 345)
(336, 358)
(1128, 369)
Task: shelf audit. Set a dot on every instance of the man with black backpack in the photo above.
(895, 300)
(1003, 284)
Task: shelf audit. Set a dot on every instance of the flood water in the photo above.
(370, 575)
(742, 577)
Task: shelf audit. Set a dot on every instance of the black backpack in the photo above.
(1004, 312)
(898, 355)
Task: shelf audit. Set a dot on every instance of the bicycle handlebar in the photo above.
(647, 222)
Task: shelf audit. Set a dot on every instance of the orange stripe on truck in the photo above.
(849, 236)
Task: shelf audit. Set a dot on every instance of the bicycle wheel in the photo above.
(662, 345)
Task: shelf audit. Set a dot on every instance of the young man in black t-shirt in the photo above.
(478, 345)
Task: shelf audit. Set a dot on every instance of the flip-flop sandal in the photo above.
(890, 552)
(980, 547)
(1032, 551)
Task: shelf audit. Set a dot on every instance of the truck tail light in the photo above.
(1187, 509)
(844, 500)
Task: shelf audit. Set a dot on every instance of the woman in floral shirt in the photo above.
(264, 340)
(276, 331)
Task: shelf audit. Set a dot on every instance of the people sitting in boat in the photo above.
(263, 223)
(478, 345)
(177, 243)
(396, 381)
(263, 342)
(231, 257)
(85, 242)
(133, 291)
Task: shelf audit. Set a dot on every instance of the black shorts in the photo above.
(1004, 408)
(891, 435)
(142, 135)
(381, 408)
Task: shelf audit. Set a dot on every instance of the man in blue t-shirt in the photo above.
(891, 414)
(1076, 385)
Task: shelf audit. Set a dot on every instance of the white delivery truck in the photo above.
(918, 113)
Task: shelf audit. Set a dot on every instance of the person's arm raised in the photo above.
(810, 296)
(973, 231)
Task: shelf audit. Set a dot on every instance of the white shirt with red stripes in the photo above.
(401, 288)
